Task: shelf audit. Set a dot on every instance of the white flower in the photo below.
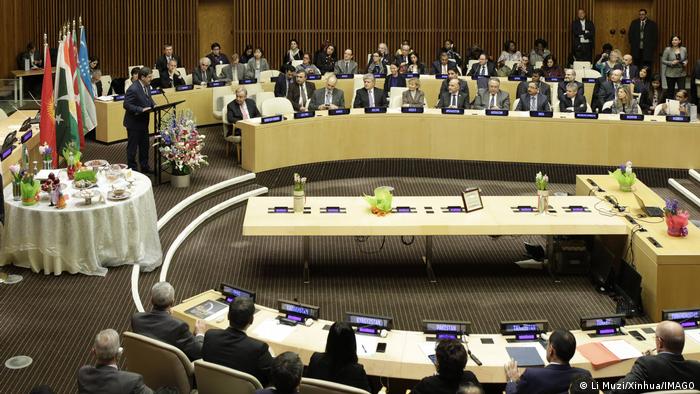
(545, 179)
(538, 177)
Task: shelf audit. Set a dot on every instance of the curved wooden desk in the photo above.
(606, 141)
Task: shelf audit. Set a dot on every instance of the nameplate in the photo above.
(453, 111)
(627, 81)
(333, 210)
(184, 87)
(589, 80)
(517, 78)
(631, 117)
(216, 84)
(313, 77)
(441, 76)
(6, 153)
(678, 118)
(411, 75)
(576, 208)
(497, 112)
(271, 119)
(345, 76)
(306, 114)
(156, 91)
(247, 81)
(412, 110)
(375, 110)
(119, 97)
(477, 77)
(379, 75)
(586, 115)
(541, 114)
(26, 136)
(553, 79)
(339, 111)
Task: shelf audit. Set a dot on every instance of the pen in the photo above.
(363, 349)
(473, 357)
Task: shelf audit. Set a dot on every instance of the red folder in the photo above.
(598, 355)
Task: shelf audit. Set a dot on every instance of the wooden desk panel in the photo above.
(9, 124)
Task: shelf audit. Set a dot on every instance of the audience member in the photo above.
(234, 71)
(571, 100)
(284, 81)
(414, 65)
(164, 59)
(624, 103)
(609, 61)
(542, 86)
(285, 374)
(376, 64)
(675, 57)
(301, 92)
(450, 361)
(402, 57)
(328, 97)
(257, 64)
(652, 97)
(524, 67)
(555, 377)
(582, 37)
(241, 108)
(247, 53)
(159, 324)
(642, 82)
(569, 77)
(347, 65)
(483, 67)
(307, 66)
(171, 78)
(643, 38)
(453, 98)
(502, 69)
(629, 70)
(608, 89)
(539, 52)
(533, 100)
(339, 362)
(31, 58)
(394, 79)
(667, 366)
(683, 105)
(134, 76)
(441, 65)
(494, 98)
(369, 96)
(216, 57)
(293, 53)
(413, 97)
(451, 51)
(94, 64)
(452, 73)
(325, 61)
(232, 347)
(96, 83)
(510, 52)
(205, 73)
(550, 68)
(383, 51)
(105, 377)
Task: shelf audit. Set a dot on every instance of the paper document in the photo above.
(526, 356)
(673, 107)
(106, 98)
(366, 345)
(274, 331)
(428, 348)
(694, 334)
(622, 349)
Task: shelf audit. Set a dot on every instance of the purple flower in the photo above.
(684, 231)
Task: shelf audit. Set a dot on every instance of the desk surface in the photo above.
(29, 73)
(404, 358)
(496, 218)
(12, 123)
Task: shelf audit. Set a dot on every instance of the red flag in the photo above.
(47, 124)
(74, 75)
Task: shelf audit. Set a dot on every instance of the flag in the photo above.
(47, 124)
(87, 96)
(66, 118)
(75, 78)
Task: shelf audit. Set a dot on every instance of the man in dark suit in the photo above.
(453, 98)
(569, 77)
(441, 65)
(240, 109)
(555, 377)
(644, 38)
(285, 374)
(300, 92)
(668, 366)
(137, 101)
(160, 325)
(582, 36)
(172, 77)
(369, 96)
(483, 68)
(165, 58)
(205, 73)
(542, 86)
(327, 98)
(450, 361)
(629, 70)
(105, 377)
(233, 348)
(284, 81)
(533, 100)
(607, 90)
(571, 101)
(452, 73)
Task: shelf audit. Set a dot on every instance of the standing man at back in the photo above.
(137, 101)
(582, 37)
(165, 58)
(644, 38)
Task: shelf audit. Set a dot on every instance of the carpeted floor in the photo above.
(54, 318)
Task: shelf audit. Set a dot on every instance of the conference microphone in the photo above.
(165, 96)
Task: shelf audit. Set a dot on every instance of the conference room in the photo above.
(222, 196)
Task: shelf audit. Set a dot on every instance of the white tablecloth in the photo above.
(82, 238)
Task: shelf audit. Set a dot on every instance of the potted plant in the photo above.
(380, 203)
(17, 174)
(542, 184)
(30, 189)
(181, 146)
(676, 219)
(299, 195)
(625, 176)
(72, 155)
(45, 151)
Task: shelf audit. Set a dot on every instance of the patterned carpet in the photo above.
(54, 318)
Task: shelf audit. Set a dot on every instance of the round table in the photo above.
(83, 238)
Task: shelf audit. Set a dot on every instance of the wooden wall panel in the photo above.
(216, 23)
(9, 31)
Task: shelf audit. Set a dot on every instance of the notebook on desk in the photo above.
(526, 356)
(652, 212)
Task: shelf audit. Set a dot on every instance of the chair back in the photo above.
(582, 65)
(538, 64)
(658, 108)
(590, 73)
(155, 73)
(106, 84)
(3, 115)
(218, 68)
(396, 91)
(395, 101)
(511, 63)
(515, 103)
(608, 104)
(297, 63)
(188, 79)
(161, 364)
(276, 105)
(253, 89)
(214, 379)
(471, 63)
(266, 75)
(217, 96)
(128, 71)
(182, 71)
(316, 386)
(261, 97)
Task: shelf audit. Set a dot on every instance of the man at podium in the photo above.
(137, 102)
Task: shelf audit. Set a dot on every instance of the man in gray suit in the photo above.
(105, 377)
(494, 98)
(328, 97)
(453, 98)
(234, 71)
(347, 65)
(533, 100)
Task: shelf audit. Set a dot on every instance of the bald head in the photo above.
(670, 337)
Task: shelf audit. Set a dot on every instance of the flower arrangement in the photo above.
(181, 144)
(30, 189)
(676, 219)
(541, 181)
(45, 151)
(299, 183)
(16, 172)
(71, 154)
(625, 176)
(380, 203)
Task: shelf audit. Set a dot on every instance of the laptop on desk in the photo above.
(652, 212)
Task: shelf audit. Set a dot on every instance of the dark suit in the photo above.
(585, 50)
(437, 385)
(282, 84)
(167, 82)
(162, 63)
(136, 124)
(390, 81)
(221, 59)
(527, 73)
(634, 72)
(554, 378)
(104, 379)
(208, 76)
(561, 88)
(446, 100)
(664, 367)
(606, 92)
(162, 326)
(542, 103)
(234, 349)
(362, 98)
(643, 56)
(319, 98)
(321, 367)
(476, 69)
(543, 86)
(234, 113)
(294, 94)
(463, 87)
(437, 67)
(579, 104)
(325, 63)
